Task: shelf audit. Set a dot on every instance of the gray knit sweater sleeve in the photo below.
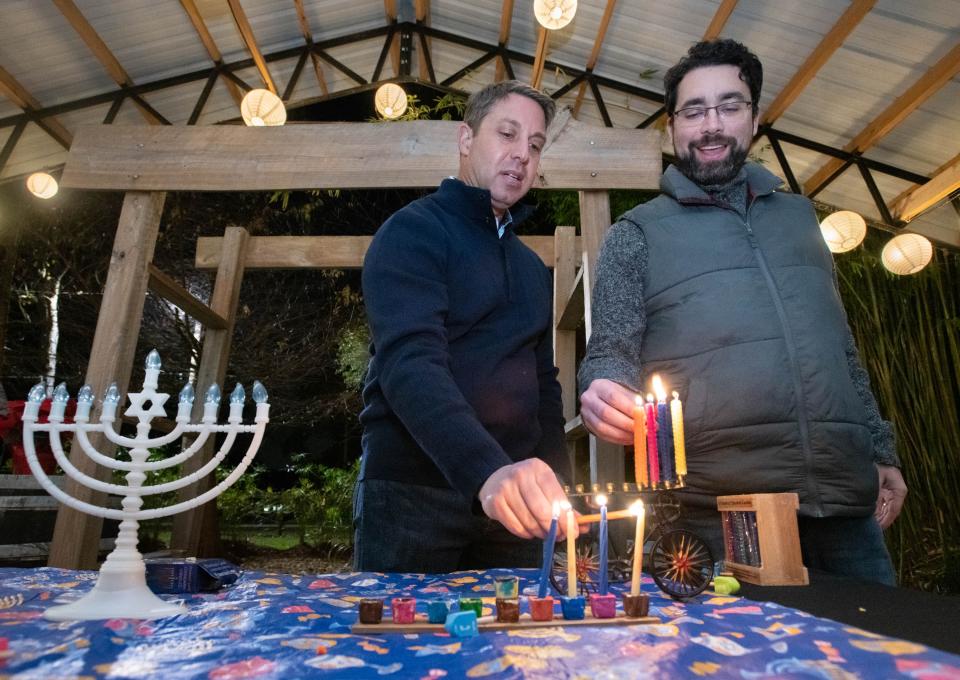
(618, 316)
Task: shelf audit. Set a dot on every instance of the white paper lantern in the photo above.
(843, 230)
(907, 253)
(390, 100)
(262, 107)
(42, 185)
(554, 14)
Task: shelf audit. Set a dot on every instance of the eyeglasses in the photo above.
(694, 115)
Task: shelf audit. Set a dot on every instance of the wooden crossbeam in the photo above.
(308, 36)
(166, 287)
(100, 50)
(595, 54)
(506, 19)
(340, 155)
(920, 198)
(539, 58)
(893, 115)
(209, 44)
(321, 252)
(246, 33)
(390, 10)
(844, 26)
(422, 13)
(18, 94)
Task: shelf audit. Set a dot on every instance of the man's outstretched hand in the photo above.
(521, 496)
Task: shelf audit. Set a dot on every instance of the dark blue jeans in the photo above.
(402, 527)
(846, 546)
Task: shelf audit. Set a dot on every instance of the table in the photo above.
(284, 626)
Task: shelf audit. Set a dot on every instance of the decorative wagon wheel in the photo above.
(681, 564)
(587, 571)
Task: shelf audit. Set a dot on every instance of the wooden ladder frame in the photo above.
(146, 162)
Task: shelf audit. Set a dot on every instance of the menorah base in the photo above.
(117, 596)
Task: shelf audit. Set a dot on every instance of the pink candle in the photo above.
(652, 454)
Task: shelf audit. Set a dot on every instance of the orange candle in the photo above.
(640, 443)
(679, 445)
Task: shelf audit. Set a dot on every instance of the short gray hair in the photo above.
(481, 101)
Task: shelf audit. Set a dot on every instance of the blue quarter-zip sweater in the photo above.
(461, 379)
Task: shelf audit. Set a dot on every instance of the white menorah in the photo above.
(121, 590)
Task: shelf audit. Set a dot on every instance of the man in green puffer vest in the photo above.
(724, 287)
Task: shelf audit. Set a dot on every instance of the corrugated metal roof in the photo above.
(891, 48)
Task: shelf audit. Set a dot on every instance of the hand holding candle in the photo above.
(548, 545)
(637, 509)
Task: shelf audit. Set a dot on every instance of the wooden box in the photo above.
(761, 538)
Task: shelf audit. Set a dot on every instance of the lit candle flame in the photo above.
(658, 388)
(638, 400)
(556, 509)
(636, 509)
(601, 499)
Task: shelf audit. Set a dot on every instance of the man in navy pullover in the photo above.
(462, 425)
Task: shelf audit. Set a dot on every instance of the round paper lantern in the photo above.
(843, 230)
(262, 107)
(42, 185)
(554, 14)
(907, 253)
(390, 100)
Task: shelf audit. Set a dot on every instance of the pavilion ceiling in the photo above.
(859, 111)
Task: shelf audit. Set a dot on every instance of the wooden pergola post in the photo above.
(76, 536)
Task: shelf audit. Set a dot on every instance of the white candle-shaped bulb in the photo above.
(237, 397)
(152, 365)
(638, 510)
(185, 405)
(34, 398)
(84, 402)
(60, 399)
(110, 400)
(259, 392)
(211, 402)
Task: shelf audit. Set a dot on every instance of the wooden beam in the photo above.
(15, 92)
(506, 19)
(595, 54)
(422, 13)
(196, 531)
(209, 44)
(719, 19)
(566, 258)
(917, 200)
(76, 534)
(390, 9)
(321, 252)
(166, 287)
(100, 50)
(339, 155)
(308, 36)
(848, 21)
(893, 115)
(539, 58)
(246, 32)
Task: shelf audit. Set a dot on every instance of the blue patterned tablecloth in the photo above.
(282, 626)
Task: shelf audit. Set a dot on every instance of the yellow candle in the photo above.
(571, 551)
(679, 445)
(640, 443)
(638, 510)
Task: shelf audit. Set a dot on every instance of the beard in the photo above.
(711, 173)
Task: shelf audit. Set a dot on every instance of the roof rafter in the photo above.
(918, 199)
(848, 21)
(209, 44)
(540, 58)
(893, 115)
(422, 12)
(390, 9)
(308, 36)
(595, 54)
(506, 18)
(103, 54)
(246, 32)
(18, 94)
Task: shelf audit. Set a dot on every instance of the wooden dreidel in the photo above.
(462, 623)
(636, 606)
(725, 585)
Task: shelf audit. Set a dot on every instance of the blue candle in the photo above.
(664, 433)
(602, 500)
(548, 545)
